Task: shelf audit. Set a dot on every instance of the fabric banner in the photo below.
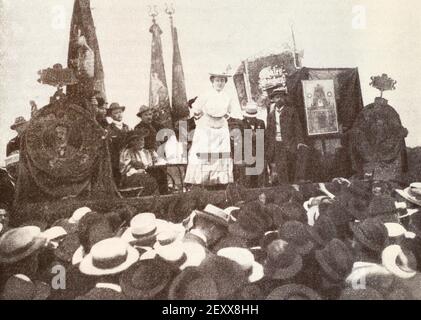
(158, 90)
(84, 54)
(255, 74)
(179, 95)
(60, 160)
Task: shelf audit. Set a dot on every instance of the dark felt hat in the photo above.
(102, 294)
(295, 233)
(114, 106)
(192, 284)
(381, 205)
(293, 292)
(137, 134)
(336, 260)
(323, 230)
(146, 279)
(291, 211)
(18, 122)
(282, 261)
(371, 233)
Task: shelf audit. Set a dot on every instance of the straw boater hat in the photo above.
(143, 109)
(214, 214)
(412, 193)
(114, 106)
(145, 279)
(390, 257)
(20, 287)
(144, 229)
(18, 122)
(17, 244)
(293, 292)
(250, 111)
(245, 259)
(107, 257)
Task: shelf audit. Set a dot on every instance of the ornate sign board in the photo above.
(57, 76)
(320, 107)
(255, 76)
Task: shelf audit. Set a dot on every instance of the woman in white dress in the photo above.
(209, 161)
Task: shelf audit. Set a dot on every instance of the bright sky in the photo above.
(212, 34)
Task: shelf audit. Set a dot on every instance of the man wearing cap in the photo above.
(117, 133)
(284, 139)
(146, 115)
(251, 124)
(19, 126)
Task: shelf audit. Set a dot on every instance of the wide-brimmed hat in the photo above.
(245, 259)
(227, 274)
(107, 257)
(293, 292)
(214, 214)
(282, 261)
(366, 293)
(143, 109)
(336, 260)
(381, 205)
(396, 230)
(390, 257)
(144, 229)
(192, 284)
(221, 73)
(20, 287)
(290, 211)
(137, 134)
(250, 110)
(18, 122)
(412, 193)
(19, 243)
(371, 233)
(295, 233)
(252, 221)
(323, 230)
(114, 106)
(145, 279)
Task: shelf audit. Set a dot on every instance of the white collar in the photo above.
(112, 286)
(118, 124)
(279, 110)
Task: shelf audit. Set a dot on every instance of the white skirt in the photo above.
(209, 160)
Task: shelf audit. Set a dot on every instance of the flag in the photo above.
(158, 90)
(84, 56)
(179, 96)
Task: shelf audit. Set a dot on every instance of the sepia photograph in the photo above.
(232, 152)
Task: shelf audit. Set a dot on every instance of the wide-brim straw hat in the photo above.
(108, 257)
(17, 244)
(389, 259)
(412, 193)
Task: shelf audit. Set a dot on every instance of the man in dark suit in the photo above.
(251, 124)
(284, 140)
(117, 131)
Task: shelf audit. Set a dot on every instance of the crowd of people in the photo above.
(354, 240)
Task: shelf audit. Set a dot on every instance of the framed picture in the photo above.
(320, 107)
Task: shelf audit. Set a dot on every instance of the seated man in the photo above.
(134, 162)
